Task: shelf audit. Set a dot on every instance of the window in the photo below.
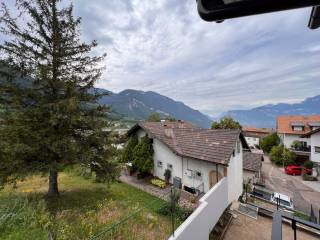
(169, 166)
(297, 128)
(317, 149)
(159, 164)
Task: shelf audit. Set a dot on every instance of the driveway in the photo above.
(302, 195)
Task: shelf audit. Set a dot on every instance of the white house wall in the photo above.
(166, 156)
(288, 139)
(252, 141)
(315, 141)
(201, 222)
(235, 176)
(201, 166)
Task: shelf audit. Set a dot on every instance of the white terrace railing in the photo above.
(200, 223)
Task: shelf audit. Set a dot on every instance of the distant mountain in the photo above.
(139, 105)
(265, 116)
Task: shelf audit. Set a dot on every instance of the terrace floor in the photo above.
(243, 227)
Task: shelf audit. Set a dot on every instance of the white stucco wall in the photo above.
(235, 175)
(248, 175)
(252, 141)
(315, 141)
(201, 166)
(201, 222)
(288, 139)
(166, 156)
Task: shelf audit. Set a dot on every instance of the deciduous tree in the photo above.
(226, 123)
(269, 141)
(154, 117)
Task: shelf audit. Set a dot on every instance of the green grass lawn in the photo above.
(83, 209)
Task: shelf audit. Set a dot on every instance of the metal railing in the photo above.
(278, 218)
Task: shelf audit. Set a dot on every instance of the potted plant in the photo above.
(167, 175)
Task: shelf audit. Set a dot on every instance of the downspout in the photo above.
(182, 175)
(217, 175)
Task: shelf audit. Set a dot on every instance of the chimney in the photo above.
(168, 132)
(181, 124)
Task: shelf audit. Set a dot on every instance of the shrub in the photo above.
(280, 155)
(181, 213)
(308, 164)
(269, 141)
(127, 154)
(159, 183)
(307, 177)
(302, 216)
(276, 154)
(288, 157)
(297, 144)
(143, 156)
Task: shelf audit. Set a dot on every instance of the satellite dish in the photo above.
(219, 10)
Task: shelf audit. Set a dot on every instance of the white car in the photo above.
(285, 201)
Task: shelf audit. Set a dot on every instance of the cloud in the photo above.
(164, 46)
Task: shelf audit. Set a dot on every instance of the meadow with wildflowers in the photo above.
(84, 209)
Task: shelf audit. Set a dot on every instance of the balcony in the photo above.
(300, 148)
(280, 218)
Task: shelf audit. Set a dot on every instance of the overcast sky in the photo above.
(164, 46)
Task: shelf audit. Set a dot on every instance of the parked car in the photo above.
(297, 170)
(285, 201)
(262, 193)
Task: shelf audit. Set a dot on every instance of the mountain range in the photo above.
(265, 116)
(138, 105)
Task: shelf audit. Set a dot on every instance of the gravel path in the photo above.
(144, 185)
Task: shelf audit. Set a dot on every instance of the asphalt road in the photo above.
(292, 186)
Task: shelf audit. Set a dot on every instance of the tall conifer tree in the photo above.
(49, 113)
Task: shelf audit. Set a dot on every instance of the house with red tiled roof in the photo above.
(291, 128)
(197, 158)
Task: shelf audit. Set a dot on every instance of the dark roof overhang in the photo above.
(219, 10)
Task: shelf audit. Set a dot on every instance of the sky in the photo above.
(164, 46)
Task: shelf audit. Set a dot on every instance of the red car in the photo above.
(296, 170)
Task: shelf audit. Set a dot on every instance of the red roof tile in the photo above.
(284, 123)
